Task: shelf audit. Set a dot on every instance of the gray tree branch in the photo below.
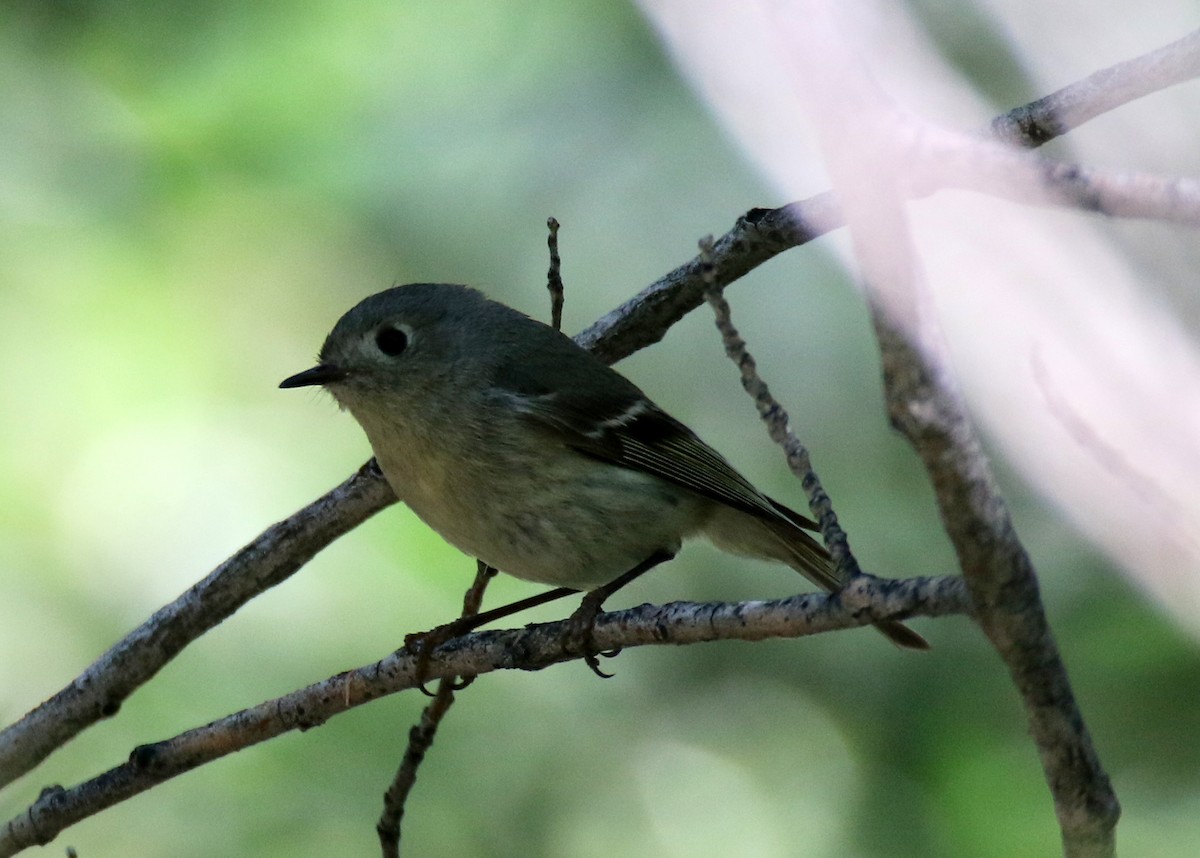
(764, 233)
(1054, 115)
(925, 406)
(533, 648)
(271, 558)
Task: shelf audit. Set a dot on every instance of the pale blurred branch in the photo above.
(271, 558)
(860, 135)
(938, 158)
(778, 423)
(1054, 115)
(764, 233)
(533, 648)
(422, 734)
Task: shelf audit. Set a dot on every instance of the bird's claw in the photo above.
(578, 636)
(423, 644)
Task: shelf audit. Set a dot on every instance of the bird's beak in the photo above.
(323, 373)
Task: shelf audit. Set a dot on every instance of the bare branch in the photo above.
(778, 423)
(928, 411)
(278, 552)
(945, 159)
(925, 406)
(763, 233)
(554, 275)
(758, 235)
(420, 740)
(536, 647)
(1041, 121)
(421, 736)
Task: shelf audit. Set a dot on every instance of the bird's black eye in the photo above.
(391, 339)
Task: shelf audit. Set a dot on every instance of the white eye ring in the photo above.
(393, 338)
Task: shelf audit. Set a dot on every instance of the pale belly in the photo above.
(580, 524)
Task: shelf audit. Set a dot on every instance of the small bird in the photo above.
(529, 453)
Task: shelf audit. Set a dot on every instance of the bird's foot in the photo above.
(423, 644)
(580, 628)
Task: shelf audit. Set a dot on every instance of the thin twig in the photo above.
(764, 233)
(925, 406)
(273, 556)
(421, 736)
(778, 422)
(532, 648)
(1040, 121)
(420, 739)
(554, 276)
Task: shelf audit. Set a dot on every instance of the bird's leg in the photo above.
(581, 623)
(424, 643)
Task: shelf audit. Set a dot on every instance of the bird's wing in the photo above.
(614, 422)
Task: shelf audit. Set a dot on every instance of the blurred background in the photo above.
(192, 193)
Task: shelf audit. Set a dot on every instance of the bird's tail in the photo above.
(784, 539)
(810, 559)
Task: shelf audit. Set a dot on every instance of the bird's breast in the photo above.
(541, 512)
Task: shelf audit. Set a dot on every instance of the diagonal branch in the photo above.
(938, 158)
(925, 406)
(422, 734)
(763, 233)
(927, 410)
(1054, 115)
